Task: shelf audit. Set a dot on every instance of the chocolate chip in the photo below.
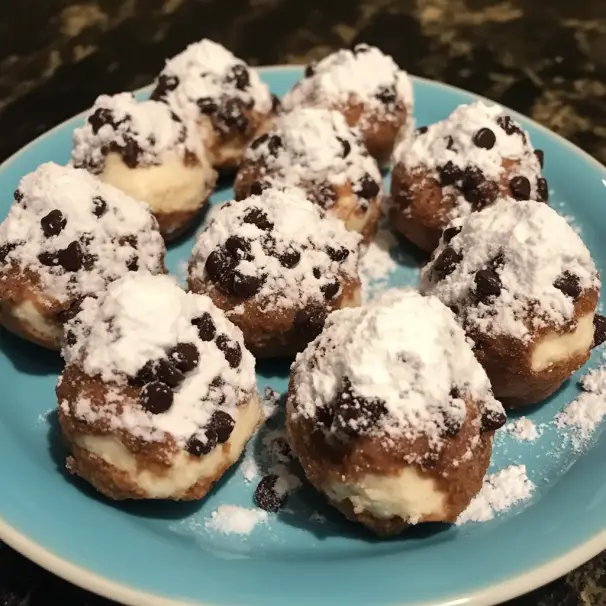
(337, 254)
(18, 195)
(100, 206)
(259, 141)
(129, 241)
(309, 322)
(100, 118)
(166, 372)
(274, 144)
(422, 130)
(50, 259)
(207, 106)
(355, 415)
(325, 416)
(276, 104)
(346, 145)
(258, 187)
(156, 397)
(492, 420)
(222, 425)
(231, 350)
(330, 289)
(599, 330)
(70, 338)
(130, 152)
(569, 284)
(387, 94)
(310, 70)
(482, 195)
(238, 247)
(257, 217)
(542, 189)
(449, 233)
(317, 273)
(246, 286)
(509, 126)
(5, 250)
(184, 357)
(53, 223)
(473, 177)
(71, 312)
(240, 77)
(266, 497)
(232, 115)
(445, 263)
(450, 426)
(487, 285)
(367, 187)
(197, 448)
(219, 263)
(449, 174)
(206, 326)
(540, 154)
(165, 85)
(289, 258)
(520, 188)
(323, 195)
(450, 143)
(133, 263)
(497, 262)
(484, 138)
(71, 258)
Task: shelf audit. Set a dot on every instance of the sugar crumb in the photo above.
(232, 519)
(377, 265)
(523, 430)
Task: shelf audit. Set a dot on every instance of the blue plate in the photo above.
(163, 554)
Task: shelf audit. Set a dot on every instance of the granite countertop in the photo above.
(545, 59)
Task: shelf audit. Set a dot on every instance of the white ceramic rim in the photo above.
(488, 596)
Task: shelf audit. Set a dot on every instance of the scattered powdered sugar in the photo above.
(271, 398)
(316, 146)
(500, 491)
(527, 247)
(419, 372)
(287, 247)
(249, 468)
(76, 233)
(142, 132)
(522, 429)
(584, 415)
(136, 323)
(377, 264)
(348, 77)
(232, 519)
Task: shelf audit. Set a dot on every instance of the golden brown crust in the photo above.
(174, 224)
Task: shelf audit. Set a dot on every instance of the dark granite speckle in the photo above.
(545, 59)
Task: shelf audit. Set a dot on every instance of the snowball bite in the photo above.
(227, 101)
(463, 164)
(158, 398)
(66, 237)
(144, 149)
(277, 265)
(367, 87)
(392, 418)
(525, 289)
(316, 150)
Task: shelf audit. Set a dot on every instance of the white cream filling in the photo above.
(407, 495)
(554, 347)
(170, 186)
(33, 322)
(186, 470)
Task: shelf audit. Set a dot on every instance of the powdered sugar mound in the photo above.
(529, 247)
(500, 491)
(346, 77)
(523, 429)
(94, 235)
(139, 320)
(317, 145)
(275, 224)
(232, 519)
(143, 132)
(205, 70)
(376, 264)
(420, 371)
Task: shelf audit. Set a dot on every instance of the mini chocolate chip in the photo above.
(266, 497)
(231, 350)
(257, 217)
(6, 249)
(71, 312)
(317, 273)
(325, 415)
(542, 189)
(346, 145)
(217, 382)
(165, 84)
(258, 187)
(274, 144)
(310, 70)
(133, 263)
(130, 152)
(232, 115)
(473, 177)
(128, 241)
(197, 448)
(222, 424)
(323, 195)
(165, 371)
(238, 247)
(450, 143)
(445, 263)
(18, 195)
(387, 94)
(487, 285)
(100, 118)
(206, 326)
(422, 130)
(276, 104)
(599, 330)
(540, 154)
(259, 141)
(289, 258)
(245, 286)
(70, 338)
(330, 289)
(484, 138)
(449, 233)
(520, 188)
(449, 174)
(53, 223)
(509, 126)
(268, 243)
(337, 254)
(184, 356)
(100, 206)
(492, 420)
(483, 195)
(569, 284)
(367, 187)
(355, 415)
(451, 426)
(207, 106)
(309, 322)
(219, 263)
(497, 262)
(50, 259)
(71, 258)
(156, 397)
(240, 77)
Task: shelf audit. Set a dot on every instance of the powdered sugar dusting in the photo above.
(523, 429)
(232, 519)
(377, 265)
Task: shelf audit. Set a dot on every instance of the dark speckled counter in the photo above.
(545, 59)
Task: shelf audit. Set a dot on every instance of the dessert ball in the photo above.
(525, 289)
(277, 265)
(66, 236)
(463, 164)
(144, 149)
(367, 87)
(158, 398)
(207, 85)
(391, 417)
(315, 149)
